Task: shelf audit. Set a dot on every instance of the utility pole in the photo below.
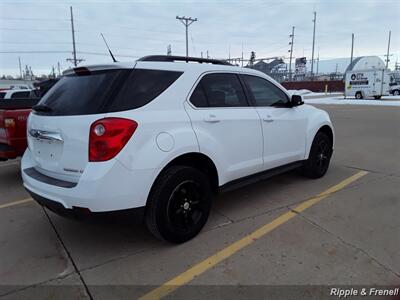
(186, 21)
(352, 47)
(317, 62)
(242, 55)
(388, 50)
(73, 37)
(20, 69)
(291, 53)
(313, 45)
(59, 69)
(169, 50)
(74, 60)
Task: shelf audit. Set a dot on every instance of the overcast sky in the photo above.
(138, 28)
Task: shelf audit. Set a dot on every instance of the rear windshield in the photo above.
(104, 91)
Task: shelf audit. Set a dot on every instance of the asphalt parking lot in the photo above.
(274, 233)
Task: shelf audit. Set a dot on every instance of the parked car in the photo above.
(163, 136)
(395, 89)
(17, 94)
(13, 118)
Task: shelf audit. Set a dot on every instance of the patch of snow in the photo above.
(305, 92)
(385, 101)
(299, 92)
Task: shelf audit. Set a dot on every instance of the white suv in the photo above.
(163, 135)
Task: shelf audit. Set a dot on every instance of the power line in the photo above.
(33, 19)
(126, 27)
(30, 29)
(62, 51)
(68, 43)
(107, 54)
(33, 51)
(35, 43)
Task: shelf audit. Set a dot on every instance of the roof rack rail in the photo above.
(170, 58)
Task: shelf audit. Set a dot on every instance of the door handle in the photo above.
(211, 119)
(268, 119)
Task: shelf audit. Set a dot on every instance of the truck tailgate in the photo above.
(13, 129)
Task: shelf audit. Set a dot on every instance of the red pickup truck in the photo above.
(13, 118)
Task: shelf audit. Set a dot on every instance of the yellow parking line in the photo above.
(15, 203)
(211, 261)
(9, 163)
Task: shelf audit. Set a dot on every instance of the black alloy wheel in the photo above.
(179, 204)
(185, 206)
(319, 158)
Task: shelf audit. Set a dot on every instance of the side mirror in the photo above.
(296, 100)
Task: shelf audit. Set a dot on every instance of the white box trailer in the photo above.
(363, 84)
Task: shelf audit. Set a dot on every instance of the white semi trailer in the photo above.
(367, 83)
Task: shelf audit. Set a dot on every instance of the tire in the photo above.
(179, 204)
(359, 95)
(396, 93)
(317, 163)
(377, 97)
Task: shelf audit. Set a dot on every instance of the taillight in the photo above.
(9, 124)
(108, 136)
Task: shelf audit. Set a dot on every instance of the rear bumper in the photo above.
(103, 187)
(135, 215)
(8, 152)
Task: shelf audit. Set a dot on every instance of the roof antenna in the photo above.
(105, 42)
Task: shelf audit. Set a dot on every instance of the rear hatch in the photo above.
(59, 127)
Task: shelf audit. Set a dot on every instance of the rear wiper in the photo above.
(42, 108)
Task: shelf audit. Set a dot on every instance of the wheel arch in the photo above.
(325, 128)
(196, 160)
(360, 92)
(328, 131)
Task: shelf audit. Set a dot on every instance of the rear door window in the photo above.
(104, 91)
(220, 90)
